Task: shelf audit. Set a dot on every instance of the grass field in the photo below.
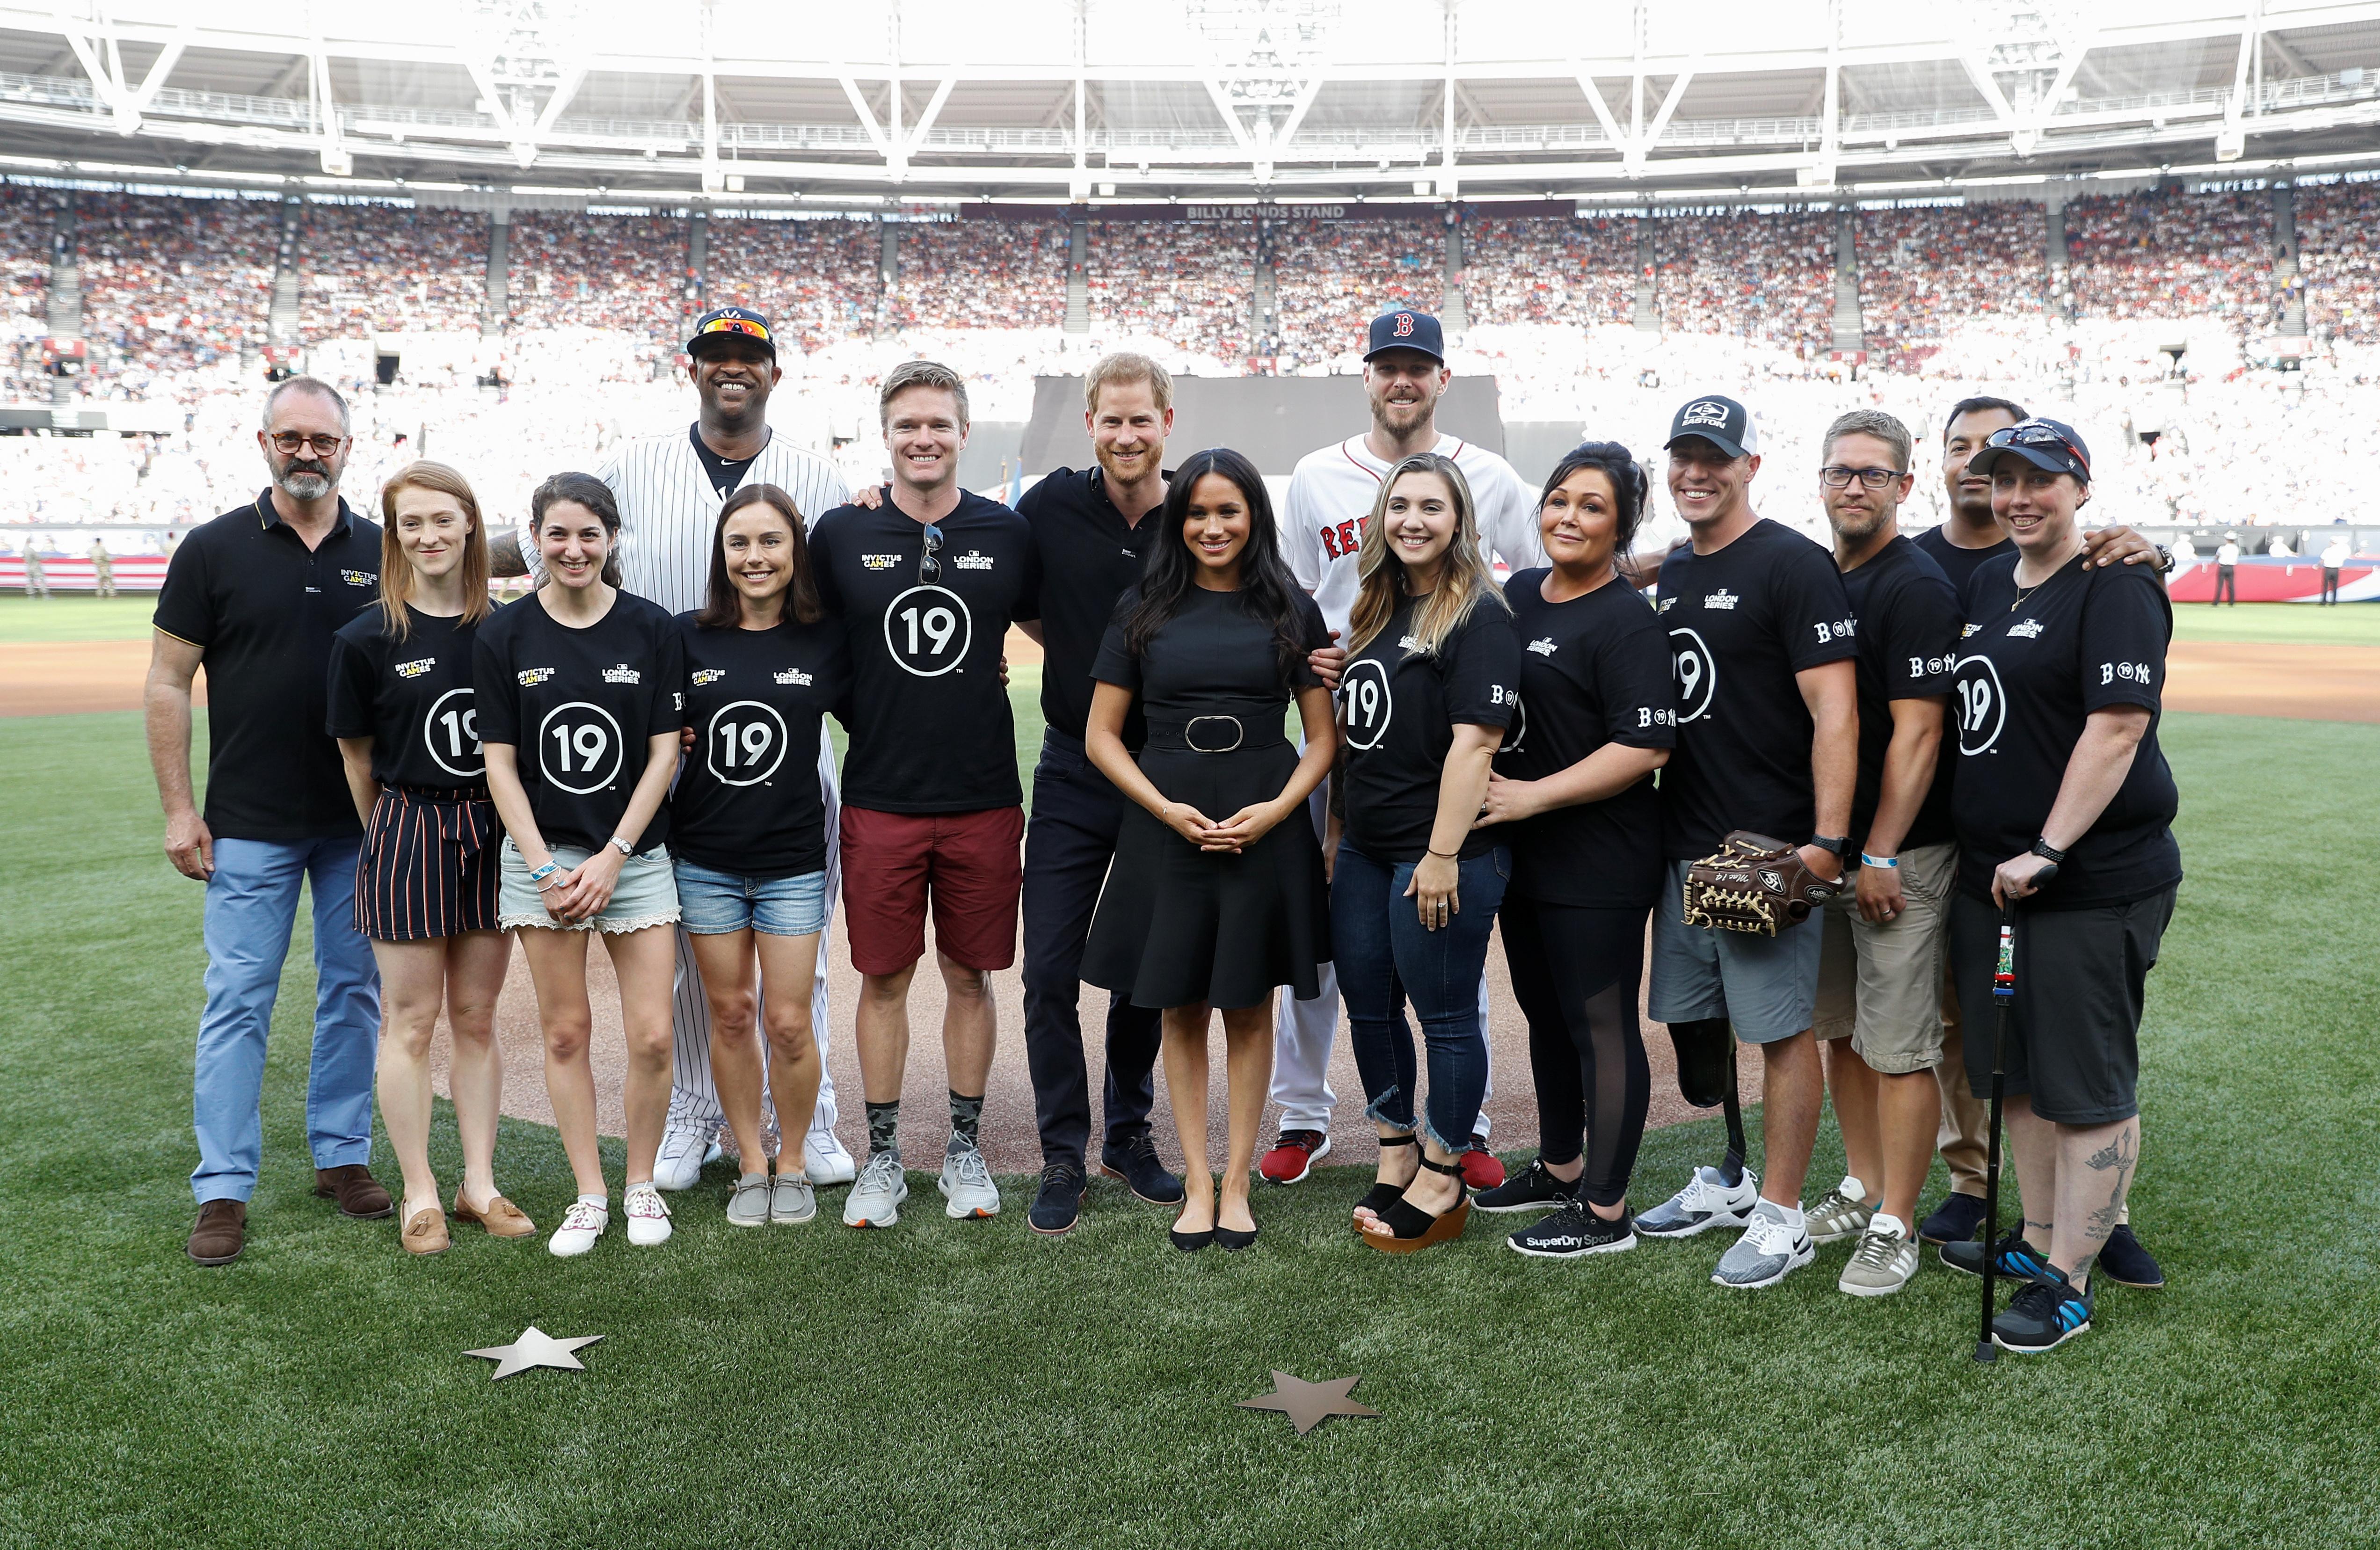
(962, 1385)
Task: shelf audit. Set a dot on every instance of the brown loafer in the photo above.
(502, 1219)
(221, 1233)
(359, 1194)
(425, 1232)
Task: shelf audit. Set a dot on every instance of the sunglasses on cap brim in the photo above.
(2032, 435)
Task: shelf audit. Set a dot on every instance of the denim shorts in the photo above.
(644, 895)
(711, 903)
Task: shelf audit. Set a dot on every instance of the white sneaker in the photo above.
(581, 1225)
(1704, 1204)
(875, 1200)
(1882, 1264)
(825, 1160)
(685, 1152)
(648, 1217)
(966, 1182)
(1770, 1248)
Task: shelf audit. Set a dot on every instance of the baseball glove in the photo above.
(1754, 884)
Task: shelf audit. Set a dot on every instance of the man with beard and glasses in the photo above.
(255, 595)
(670, 489)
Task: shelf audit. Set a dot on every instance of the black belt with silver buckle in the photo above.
(1212, 734)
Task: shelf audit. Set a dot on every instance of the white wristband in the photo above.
(1867, 860)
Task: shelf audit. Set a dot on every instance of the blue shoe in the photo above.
(2011, 1257)
(2045, 1316)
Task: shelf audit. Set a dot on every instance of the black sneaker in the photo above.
(1058, 1206)
(1531, 1188)
(2123, 1260)
(2045, 1316)
(2014, 1258)
(1956, 1220)
(1136, 1164)
(1572, 1231)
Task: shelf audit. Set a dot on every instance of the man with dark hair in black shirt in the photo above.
(255, 595)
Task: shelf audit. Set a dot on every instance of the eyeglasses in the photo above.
(928, 568)
(1839, 477)
(288, 442)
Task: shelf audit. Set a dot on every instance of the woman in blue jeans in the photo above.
(1430, 687)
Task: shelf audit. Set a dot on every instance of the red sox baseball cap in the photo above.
(1720, 420)
(1405, 329)
(726, 322)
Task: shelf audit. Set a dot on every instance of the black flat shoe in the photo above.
(1190, 1242)
(1231, 1240)
(1379, 1197)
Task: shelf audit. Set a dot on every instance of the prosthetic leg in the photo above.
(1707, 1079)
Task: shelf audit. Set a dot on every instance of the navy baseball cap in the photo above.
(2047, 444)
(1405, 329)
(1720, 420)
(731, 321)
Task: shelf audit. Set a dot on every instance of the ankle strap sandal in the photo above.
(1405, 1228)
(1379, 1197)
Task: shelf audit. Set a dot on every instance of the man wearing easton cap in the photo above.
(670, 489)
(1761, 641)
(1330, 500)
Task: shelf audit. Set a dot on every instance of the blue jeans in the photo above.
(251, 906)
(1384, 956)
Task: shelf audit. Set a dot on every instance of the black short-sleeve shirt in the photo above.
(1088, 559)
(413, 698)
(1741, 621)
(1214, 658)
(1593, 670)
(930, 728)
(579, 706)
(261, 609)
(2035, 664)
(1399, 709)
(1908, 643)
(1959, 564)
(748, 799)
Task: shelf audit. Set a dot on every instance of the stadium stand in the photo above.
(28, 225)
(1765, 277)
(368, 269)
(979, 274)
(625, 273)
(817, 281)
(1547, 269)
(1152, 278)
(1331, 278)
(1924, 271)
(2340, 258)
(2159, 254)
(174, 284)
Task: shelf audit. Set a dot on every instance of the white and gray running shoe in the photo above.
(966, 1182)
(826, 1160)
(1839, 1213)
(875, 1200)
(749, 1207)
(791, 1201)
(1882, 1264)
(1704, 1204)
(1770, 1248)
(686, 1148)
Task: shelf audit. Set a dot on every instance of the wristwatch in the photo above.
(2047, 851)
(1840, 844)
(622, 846)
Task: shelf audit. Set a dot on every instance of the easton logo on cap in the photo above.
(1703, 413)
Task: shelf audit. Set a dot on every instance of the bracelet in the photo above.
(1867, 860)
(549, 870)
(1442, 856)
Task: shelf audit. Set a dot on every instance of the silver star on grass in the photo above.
(1305, 1403)
(536, 1348)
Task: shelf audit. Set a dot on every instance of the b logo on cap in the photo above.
(1404, 325)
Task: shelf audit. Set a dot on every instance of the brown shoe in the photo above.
(502, 1219)
(222, 1231)
(359, 1194)
(425, 1232)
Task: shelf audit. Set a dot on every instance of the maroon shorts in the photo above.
(969, 866)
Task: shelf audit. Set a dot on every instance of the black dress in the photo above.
(1177, 925)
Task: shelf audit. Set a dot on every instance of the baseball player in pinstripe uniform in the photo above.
(670, 489)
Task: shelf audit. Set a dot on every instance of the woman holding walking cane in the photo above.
(2064, 805)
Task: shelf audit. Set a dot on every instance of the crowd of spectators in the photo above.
(624, 272)
(818, 282)
(2160, 253)
(2338, 255)
(1331, 278)
(1537, 268)
(28, 229)
(1190, 284)
(979, 274)
(174, 282)
(1767, 277)
(366, 269)
(1927, 269)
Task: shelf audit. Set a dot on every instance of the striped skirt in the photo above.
(429, 865)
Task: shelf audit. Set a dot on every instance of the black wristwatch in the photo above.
(1839, 843)
(2047, 851)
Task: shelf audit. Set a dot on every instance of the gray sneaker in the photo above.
(966, 1182)
(749, 1207)
(1839, 1214)
(1769, 1249)
(875, 1200)
(1881, 1264)
(792, 1201)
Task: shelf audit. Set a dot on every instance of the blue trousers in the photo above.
(251, 907)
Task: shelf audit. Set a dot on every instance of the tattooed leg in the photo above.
(2033, 1146)
(2094, 1170)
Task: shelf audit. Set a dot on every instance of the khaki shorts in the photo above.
(1880, 986)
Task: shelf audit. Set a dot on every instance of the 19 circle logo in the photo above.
(1982, 707)
(451, 732)
(928, 630)
(1365, 695)
(578, 747)
(745, 743)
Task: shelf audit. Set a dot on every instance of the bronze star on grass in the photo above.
(1305, 1403)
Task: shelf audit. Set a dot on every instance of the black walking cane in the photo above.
(2003, 997)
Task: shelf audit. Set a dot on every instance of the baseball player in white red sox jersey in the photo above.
(1330, 498)
(670, 489)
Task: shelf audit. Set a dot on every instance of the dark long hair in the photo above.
(1630, 486)
(1267, 589)
(582, 489)
(722, 607)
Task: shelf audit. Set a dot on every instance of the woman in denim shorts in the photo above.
(763, 667)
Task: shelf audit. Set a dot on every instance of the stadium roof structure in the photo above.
(876, 103)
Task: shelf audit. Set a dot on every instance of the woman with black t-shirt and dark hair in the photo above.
(1431, 684)
(2063, 801)
(401, 705)
(579, 687)
(1573, 796)
(1214, 900)
(763, 667)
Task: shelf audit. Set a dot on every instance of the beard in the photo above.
(305, 481)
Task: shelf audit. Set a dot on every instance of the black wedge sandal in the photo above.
(1411, 1229)
(1379, 1197)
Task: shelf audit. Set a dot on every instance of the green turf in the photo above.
(2280, 624)
(963, 1385)
(65, 617)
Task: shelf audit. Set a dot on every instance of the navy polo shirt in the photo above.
(261, 609)
(1089, 558)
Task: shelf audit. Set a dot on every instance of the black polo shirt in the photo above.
(261, 608)
(1088, 559)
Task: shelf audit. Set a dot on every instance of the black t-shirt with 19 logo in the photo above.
(2034, 664)
(579, 706)
(930, 728)
(412, 697)
(748, 799)
(1399, 709)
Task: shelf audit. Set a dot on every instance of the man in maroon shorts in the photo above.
(926, 584)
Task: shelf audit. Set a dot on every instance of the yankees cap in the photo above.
(1720, 420)
(1405, 329)
(2046, 443)
(729, 320)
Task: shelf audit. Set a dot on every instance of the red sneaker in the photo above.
(1482, 1170)
(1294, 1155)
